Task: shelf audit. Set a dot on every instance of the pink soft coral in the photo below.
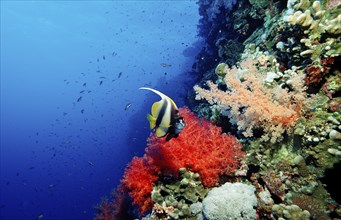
(201, 148)
(273, 109)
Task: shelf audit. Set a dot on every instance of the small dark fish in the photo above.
(79, 99)
(101, 82)
(119, 75)
(103, 57)
(64, 113)
(127, 106)
(114, 54)
(84, 84)
(97, 59)
(102, 77)
(91, 163)
(82, 111)
(82, 91)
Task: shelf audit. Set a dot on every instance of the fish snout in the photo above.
(179, 125)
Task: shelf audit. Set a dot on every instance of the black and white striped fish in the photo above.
(165, 117)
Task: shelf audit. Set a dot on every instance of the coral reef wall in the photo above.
(266, 127)
(281, 97)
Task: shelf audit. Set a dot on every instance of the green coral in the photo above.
(334, 83)
(229, 50)
(293, 212)
(220, 70)
(321, 26)
(259, 3)
(315, 204)
(179, 195)
(320, 137)
(332, 89)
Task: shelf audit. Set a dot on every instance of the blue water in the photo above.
(72, 116)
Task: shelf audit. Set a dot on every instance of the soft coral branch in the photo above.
(273, 109)
(139, 177)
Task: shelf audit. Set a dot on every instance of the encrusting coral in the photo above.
(177, 196)
(321, 138)
(293, 212)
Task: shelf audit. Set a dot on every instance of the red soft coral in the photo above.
(138, 179)
(104, 211)
(201, 148)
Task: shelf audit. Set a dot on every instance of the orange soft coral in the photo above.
(273, 109)
(200, 147)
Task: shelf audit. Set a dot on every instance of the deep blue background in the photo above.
(68, 70)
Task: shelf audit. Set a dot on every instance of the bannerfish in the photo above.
(165, 117)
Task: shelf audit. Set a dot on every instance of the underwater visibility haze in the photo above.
(72, 114)
(208, 109)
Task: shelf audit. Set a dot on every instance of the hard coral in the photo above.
(201, 147)
(231, 201)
